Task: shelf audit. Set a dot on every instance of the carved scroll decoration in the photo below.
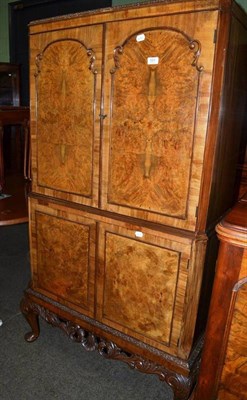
(194, 45)
(90, 54)
(32, 310)
(118, 51)
(180, 384)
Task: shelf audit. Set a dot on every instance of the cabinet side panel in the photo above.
(207, 284)
(233, 125)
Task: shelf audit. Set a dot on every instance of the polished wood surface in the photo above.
(223, 369)
(129, 155)
(127, 107)
(233, 383)
(153, 155)
(131, 260)
(226, 136)
(129, 257)
(65, 144)
(65, 124)
(13, 209)
(15, 116)
(69, 282)
(234, 99)
(9, 84)
(140, 152)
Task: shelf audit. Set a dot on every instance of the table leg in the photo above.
(2, 179)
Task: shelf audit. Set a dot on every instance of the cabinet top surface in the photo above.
(154, 7)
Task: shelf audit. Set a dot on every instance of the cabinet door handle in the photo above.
(102, 116)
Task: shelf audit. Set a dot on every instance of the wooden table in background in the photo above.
(13, 209)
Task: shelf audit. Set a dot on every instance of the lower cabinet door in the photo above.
(142, 279)
(63, 255)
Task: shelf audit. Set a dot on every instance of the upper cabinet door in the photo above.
(158, 77)
(65, 94)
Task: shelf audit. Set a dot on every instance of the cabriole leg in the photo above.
(32, 318)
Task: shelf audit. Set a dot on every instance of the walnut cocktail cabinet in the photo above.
(137, 116)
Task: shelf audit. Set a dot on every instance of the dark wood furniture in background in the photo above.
(137, 115)
(14, 147)
(224, 360)
(15, 117)
(242, 171)
(9, 84)
(13, 209)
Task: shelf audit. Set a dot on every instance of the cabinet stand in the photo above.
(180, 384)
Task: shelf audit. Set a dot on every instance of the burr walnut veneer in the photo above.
(137, 116)
(225, 340)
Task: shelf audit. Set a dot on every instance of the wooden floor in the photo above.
(13, 209)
